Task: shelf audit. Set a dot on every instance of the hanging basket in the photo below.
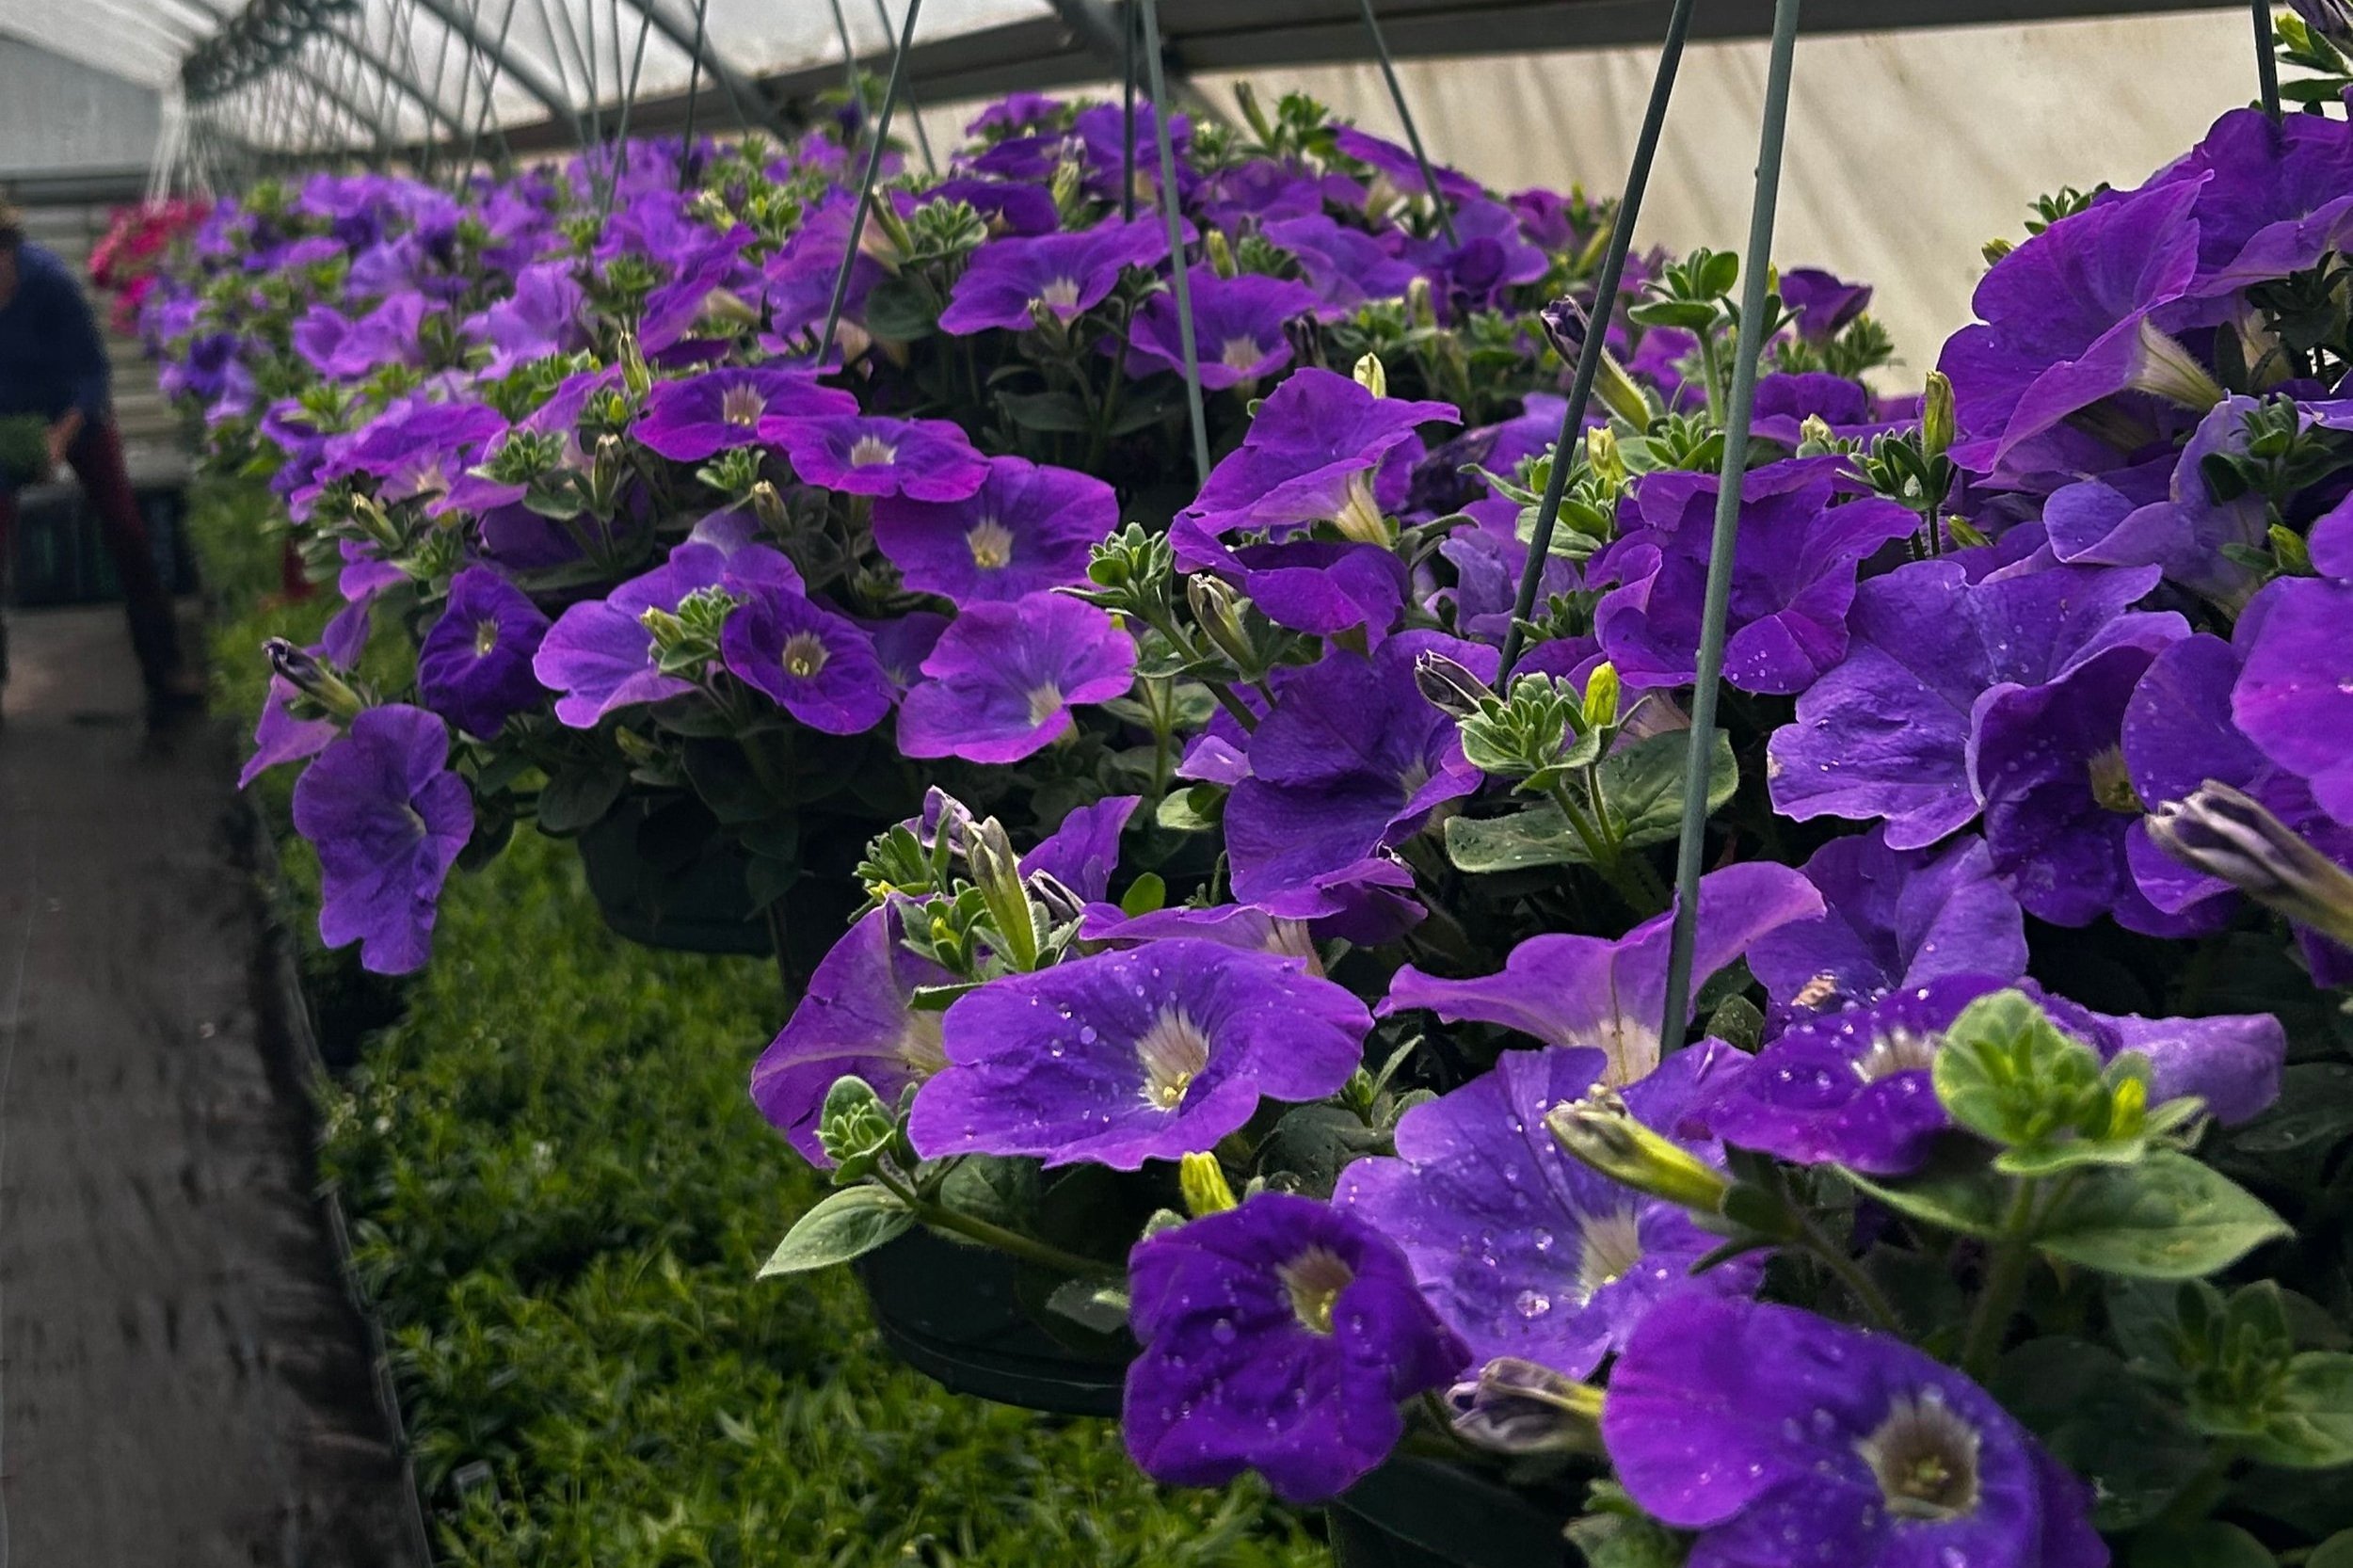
(1419, 1513)
(954, 1314)
(665, 877)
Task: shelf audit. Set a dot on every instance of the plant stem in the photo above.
(1865, 1289)
(2005, 1280)
(1011, 1242)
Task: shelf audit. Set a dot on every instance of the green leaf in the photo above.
(2335, 1552)
(2315, 1106)
(2210, 1543)
(1686, 315)
(2168, 1217)
(578, 798)
(1958, 1191)
(1315, 1142)
(2102, 1423)
(1197, 809)
(1091, 1303)
(1146, 894)
(845, 1225)
(1644, 786)
(2010, 1075)
(1050, 410)
(901, 310)
(2311, 1420)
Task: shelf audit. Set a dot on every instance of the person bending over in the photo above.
(53, 365)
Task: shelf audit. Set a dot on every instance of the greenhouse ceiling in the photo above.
(547, 73)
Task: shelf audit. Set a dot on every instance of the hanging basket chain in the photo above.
(1755, 299)
(1405, 114)
(1129, 20)
(1596, 335)
(866, 184)
(1172, 204)
(694, 92)
(914, 110)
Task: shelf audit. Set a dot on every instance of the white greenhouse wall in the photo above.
(57, 116)
(1907, 151)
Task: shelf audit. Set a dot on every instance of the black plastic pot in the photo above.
(1419, 1513)
(954, 1314)
(665, 875)
(662, 888)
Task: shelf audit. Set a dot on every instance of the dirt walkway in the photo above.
(183, 1383)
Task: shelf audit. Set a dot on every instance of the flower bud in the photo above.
(1601, 696)
(1603, 455)
(768, 506)
(634, 375)
(1995, 249)
(1449, 686)
(1373, 375)
(1217, 252)
(1815, 437)
(2166, 370)
(1565, 326)
(1202, 1180)
(1519, 1407)
(1600, 1130)
(1936, 415)
(315, 678)
(1058, 899)
(2226, 833)
(944, 816)
(1421, 305)
(1304, 333)
(996, 871)
(1218, 609)
(2331, 20)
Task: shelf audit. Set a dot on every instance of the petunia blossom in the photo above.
(1315, 453)
(1124, 1057)
(473, 668)
(1782, 1437)
(923, 459)
(1238, 327)
(1279, 1336)
(1001, 680)
(1568, 989)
(1524, 1250)
(854, 1020)
(1064, 275)
(1027, 529)
(814, 663)
(694, 419)
(387, 819)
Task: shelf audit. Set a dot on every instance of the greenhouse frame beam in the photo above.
(733, 83)
(407, 85)
(519, 68)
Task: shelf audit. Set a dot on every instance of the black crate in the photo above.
(60, 556)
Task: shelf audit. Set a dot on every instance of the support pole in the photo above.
(1755, 294)
(866, 186)
(1171, 203)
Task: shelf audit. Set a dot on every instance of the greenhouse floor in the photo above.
(182, 1380)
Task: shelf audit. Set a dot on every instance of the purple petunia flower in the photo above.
(1238, 327)
(2294, 698)
(923, 459)
(1027, 529)
(1348, 764)
(1401, 169)
(1895, 918)
(1278, 1336)
(280, 737)
(1003, 677)
(473, 668)
(1793, 575)
(1888, 732)
(701, 416)
(1084, 850)
(855, 1020)
(1854, 1087)
(1346, 266)
(1064, 274)
(414, 448)
(387, 819)
(2162, 514)
(1124, 1057)
(342, 349)
(600, 655)
(2066, 322)
(816, 665)
(541, 317)
(2048, 763)
(1524, 1250)
(1579, 990)
(1315, 453)
(1824, 304)
(1783, 1437)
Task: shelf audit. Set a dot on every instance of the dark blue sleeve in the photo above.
(82, 353)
